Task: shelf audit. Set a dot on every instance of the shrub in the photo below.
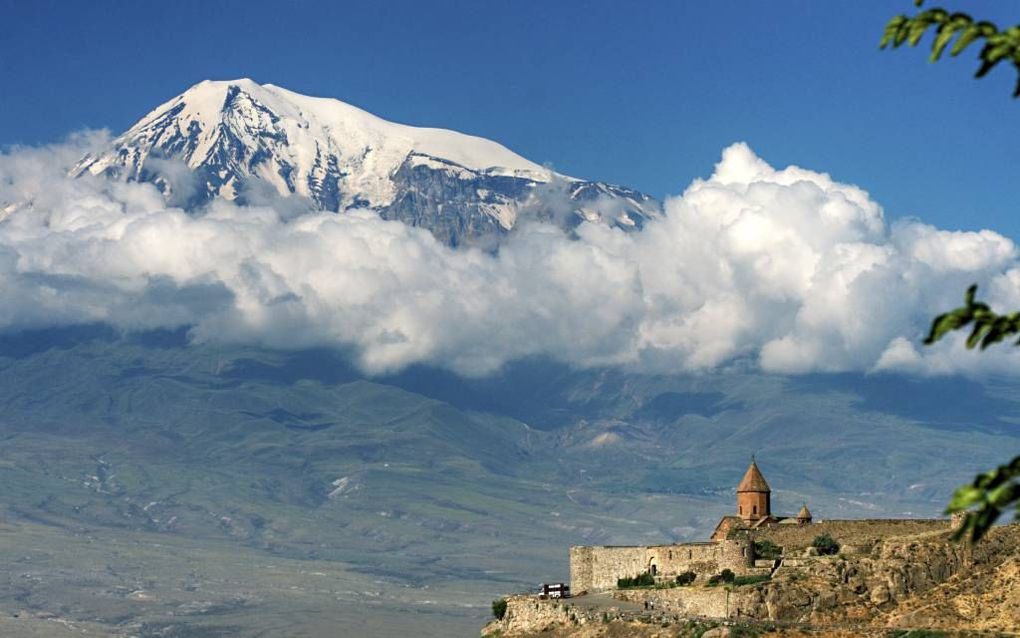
(725, 576)
(753, 579)
(826, 545)
(767, 549)
(686, 578)
(499, 608)
(641, 580)
(695, 628)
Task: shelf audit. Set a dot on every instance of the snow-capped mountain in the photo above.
(238, 137)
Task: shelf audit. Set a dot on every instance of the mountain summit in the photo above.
(239, 137)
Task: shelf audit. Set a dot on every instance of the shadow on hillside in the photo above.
(947, 403)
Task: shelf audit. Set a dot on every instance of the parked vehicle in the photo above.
(553, 590)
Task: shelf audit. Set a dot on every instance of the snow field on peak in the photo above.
(369, 149)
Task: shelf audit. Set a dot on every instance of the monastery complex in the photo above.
(731, 545)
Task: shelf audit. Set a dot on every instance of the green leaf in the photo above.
(943, 324)
(901, 34)
(968, 297)
(917, 29)
(945, 34)
(968, 35)
(996, 52)
(977, 334)
(986, 66)
(891, 29)
(992, 491)
(964, 497)
(1004, 494)
(983, 521)
(987, 29)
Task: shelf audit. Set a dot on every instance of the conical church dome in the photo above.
(753, 481)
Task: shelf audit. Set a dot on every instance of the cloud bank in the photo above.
(785, 270)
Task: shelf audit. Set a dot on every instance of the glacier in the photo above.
(240, 139)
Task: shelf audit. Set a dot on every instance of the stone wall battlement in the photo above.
(597, 568)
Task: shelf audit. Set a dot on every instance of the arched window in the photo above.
(740, 510)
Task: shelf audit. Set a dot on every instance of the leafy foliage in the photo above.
(751, 579)
(641, 580)
(825, 544)
(767, 549)
(990, 493)
(999, 45)
(499, 608)
(686, 578)
(989, 327)
(725, 576)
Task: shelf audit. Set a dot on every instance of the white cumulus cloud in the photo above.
(787, 270)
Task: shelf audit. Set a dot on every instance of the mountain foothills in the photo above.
(299, 496)
(244, 141)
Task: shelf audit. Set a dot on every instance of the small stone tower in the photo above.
(804, 515)
(754, 496)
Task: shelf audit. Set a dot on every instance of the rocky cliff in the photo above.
(917, 581)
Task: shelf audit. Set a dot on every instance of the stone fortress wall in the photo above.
(597, 568)
(905, 581)
(861, 534)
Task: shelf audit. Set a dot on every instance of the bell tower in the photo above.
(754, 496)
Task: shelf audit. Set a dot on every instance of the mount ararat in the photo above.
(242, 140)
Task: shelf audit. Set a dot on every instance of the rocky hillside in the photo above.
(983, 597)
(906, 582)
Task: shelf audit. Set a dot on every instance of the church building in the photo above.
(754, 507)
(598, 567)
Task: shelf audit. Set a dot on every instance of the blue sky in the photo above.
(643, 94)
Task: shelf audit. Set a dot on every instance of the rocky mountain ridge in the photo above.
(247, 142)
